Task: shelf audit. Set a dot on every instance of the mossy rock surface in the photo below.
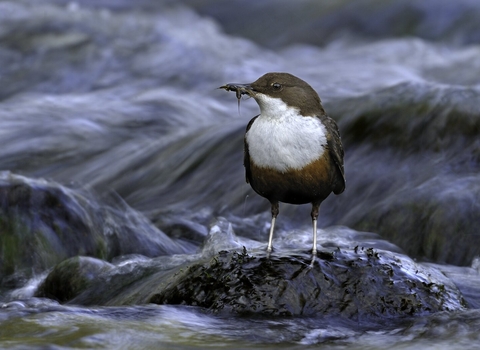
(72, 277)
(358, 283)
(43, 223)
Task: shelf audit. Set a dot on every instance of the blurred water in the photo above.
(153, 327)
(112, 96)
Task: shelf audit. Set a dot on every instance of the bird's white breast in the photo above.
(282, 139)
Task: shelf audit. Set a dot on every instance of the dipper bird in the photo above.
(292, 150)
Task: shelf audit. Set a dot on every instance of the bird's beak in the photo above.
(240, 89)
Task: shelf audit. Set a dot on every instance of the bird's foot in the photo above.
(269, 252)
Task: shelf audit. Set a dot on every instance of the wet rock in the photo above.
(467, 280)
(71, 277)
(420, 188)
(43, 223)
(181, 228)
(354, 284)
(359, 283)
(426, 218)
(412, 117)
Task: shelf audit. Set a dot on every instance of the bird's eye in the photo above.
(276, 86)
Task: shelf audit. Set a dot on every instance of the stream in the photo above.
(117, 145)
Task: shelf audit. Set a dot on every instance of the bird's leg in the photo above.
(315, 210)
(275, 211)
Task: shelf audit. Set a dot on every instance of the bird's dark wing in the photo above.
(246, 155)
(334, 145)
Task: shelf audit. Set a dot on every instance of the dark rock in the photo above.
(353, 284)
(420, 188)
(359, 284)
(71, 277)
(411, 117)
(181, 228)
(43, 223)
(425, 219)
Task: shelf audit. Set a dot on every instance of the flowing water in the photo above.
(114, 109)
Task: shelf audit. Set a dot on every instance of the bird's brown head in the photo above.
(290, 89)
